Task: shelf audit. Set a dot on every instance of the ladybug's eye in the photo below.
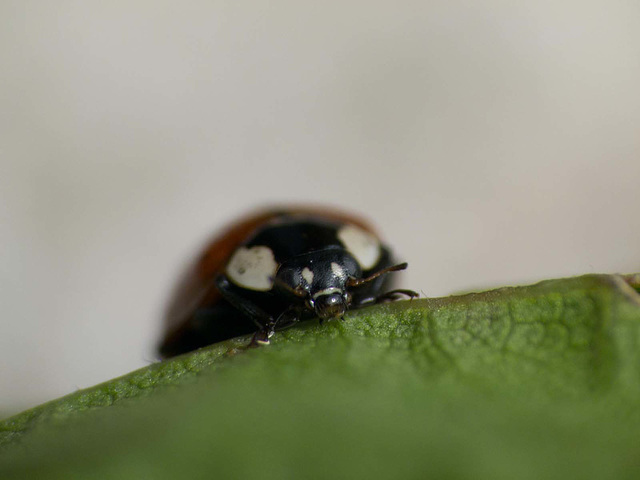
(310, 303)
(347, 298)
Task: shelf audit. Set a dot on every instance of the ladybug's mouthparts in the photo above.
(330, 306)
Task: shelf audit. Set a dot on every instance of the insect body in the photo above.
(276, 268)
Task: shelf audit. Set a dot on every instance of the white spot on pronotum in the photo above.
(253, 268)
(337, 270)
(362, 245)
(307, 275)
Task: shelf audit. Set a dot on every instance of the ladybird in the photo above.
(275, 268)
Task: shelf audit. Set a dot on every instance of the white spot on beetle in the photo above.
(337, 270)
(307, 274)
(253, 268)
(362, 245)
(326, 291)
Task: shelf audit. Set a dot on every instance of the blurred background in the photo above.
(491, 142)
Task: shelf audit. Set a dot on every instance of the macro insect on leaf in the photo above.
(277, 267)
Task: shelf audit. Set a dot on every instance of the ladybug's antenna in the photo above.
(356, 282)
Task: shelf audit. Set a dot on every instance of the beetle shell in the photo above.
(275, 261)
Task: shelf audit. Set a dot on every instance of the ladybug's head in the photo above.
(320, 278)
(330, 305)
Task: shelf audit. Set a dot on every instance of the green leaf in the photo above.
(530, 382)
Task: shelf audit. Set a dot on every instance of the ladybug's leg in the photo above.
(395, 295)
(251, 310)
(286, 319)
(373, 284)
(385, 297)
